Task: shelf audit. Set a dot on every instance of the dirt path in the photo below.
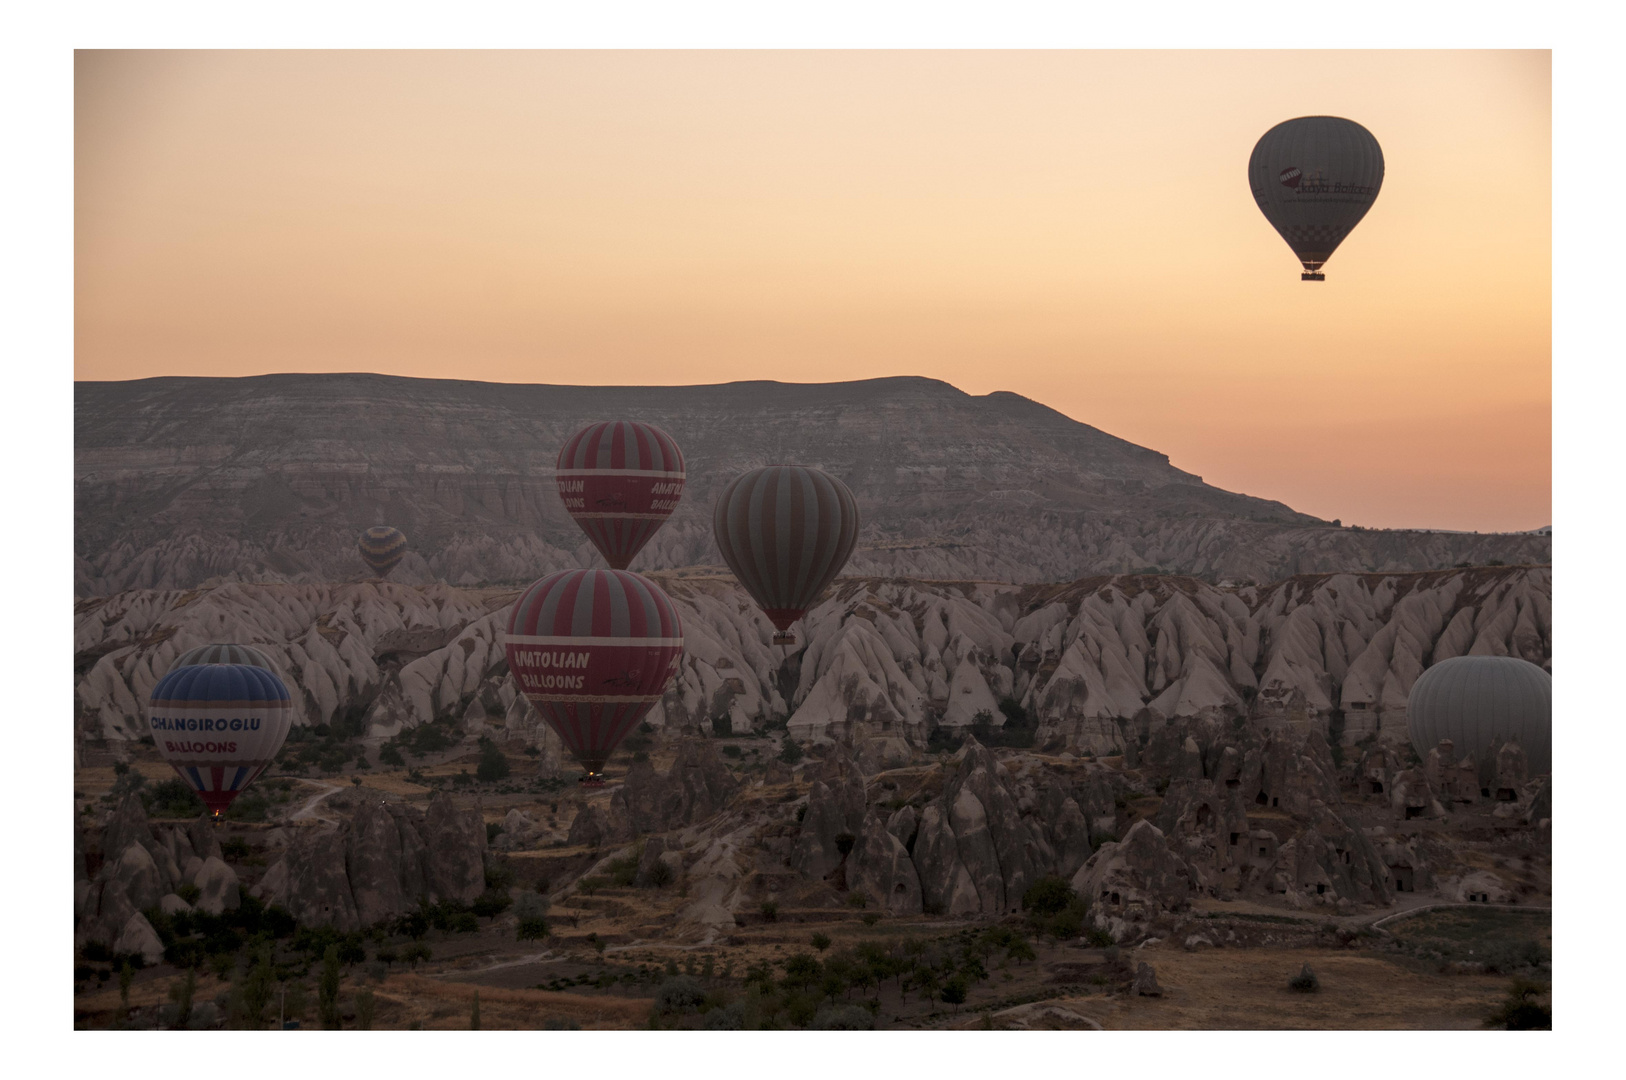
(307, 809)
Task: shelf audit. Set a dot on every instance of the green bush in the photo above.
(389, 754)
(732, 751)
(821, 941)
(172, 798)
(770, 910)
(1047, 896)
(660, 875)
(801, 970)
(790, 753)
(1522, 1009)
(491, 903)
(954, 990)
(1305, 981)
(679, 994)
(188, 892)
(623, 872)
(532, 929)
(493, 763)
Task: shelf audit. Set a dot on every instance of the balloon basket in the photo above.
(784, 637)
(1312, 277)
(592, 780)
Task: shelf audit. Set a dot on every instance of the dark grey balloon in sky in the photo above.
(1314, 178)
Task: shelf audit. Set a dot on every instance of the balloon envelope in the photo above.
(1478, 701)
(786, 531)
(382, 548)
(219, 726)
(224, 653)
(1315, 178)
(620, 480)
(593, 650)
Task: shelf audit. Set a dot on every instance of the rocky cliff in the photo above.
(1102, 663)
(182, 482)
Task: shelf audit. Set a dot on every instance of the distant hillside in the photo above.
(183, 481)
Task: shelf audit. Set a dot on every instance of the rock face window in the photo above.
(1262, 799)
(1413, 811)
(1234, 838)
(1506, 794)
(1374, 787)
(1403, 878)
(1320, 888)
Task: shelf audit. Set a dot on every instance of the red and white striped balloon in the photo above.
(593, 650)
(620, 480)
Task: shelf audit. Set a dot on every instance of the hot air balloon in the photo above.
(382, 548)
(620, 480)
(593, 650)
(786, 531)
(224, 653)
(1479, 701)
(1315, 178)
(219, 726)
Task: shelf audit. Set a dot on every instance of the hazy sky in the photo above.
(1072, 226)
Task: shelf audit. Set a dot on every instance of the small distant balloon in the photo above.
(1314, 178)
(786, 531)
(219, 726)
(382, 548)
(620, 480)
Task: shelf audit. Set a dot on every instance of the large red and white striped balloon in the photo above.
(219, 726)
(593, 650)
(620, 480)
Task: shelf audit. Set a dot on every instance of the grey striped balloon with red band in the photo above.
(786, 531)
(620, 480)
(593, 650)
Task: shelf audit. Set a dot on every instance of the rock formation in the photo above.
(180, 483)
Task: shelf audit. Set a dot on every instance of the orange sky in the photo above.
(1072, 226)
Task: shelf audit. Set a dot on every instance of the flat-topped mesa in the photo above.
(180, 482)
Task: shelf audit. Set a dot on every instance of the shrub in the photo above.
(1021, 951)
(1522, 1010)
(1047, 896)
(1305, 981)
(364, 1009)
(730, 1017)
(413, 953)
(464, 922)
(171, 798)
(531, 905)
(532, 929)
(188, 892)
(732, 751)
(660, 875)
(770, 910)
(954, 990)
(327, 993)
(388, 754)
(181, 994)
(790, 753)
(942, 741)
(842, 1018)
(234, 848)
(723, 727)
(858, 899)
(821, 941)
(493, 763)
(491, 903)
(871, 918)
(679, 994)
(499, 875)
(622, 872)
(800, 970)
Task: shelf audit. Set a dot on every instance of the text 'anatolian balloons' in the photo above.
(593, 650)
(620, 480)
(786, 531)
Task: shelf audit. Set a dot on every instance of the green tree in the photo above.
(821, 941)
(364, 1009)
(800, 970)
(126, 977)
(327, 993)
(954, 990)
(474, 1014)
(493, 763)
(790, 753)
(181, 994)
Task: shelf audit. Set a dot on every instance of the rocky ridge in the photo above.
(181, 483)
(1101, 664)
